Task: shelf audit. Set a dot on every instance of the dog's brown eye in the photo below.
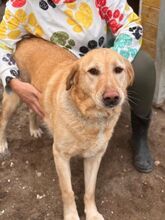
(118, 69)
(94, 71)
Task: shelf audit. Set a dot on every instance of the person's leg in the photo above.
(141, 95)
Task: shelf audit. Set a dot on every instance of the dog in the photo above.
(82, 100)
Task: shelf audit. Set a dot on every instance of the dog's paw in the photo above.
(95, 216)
(71, 217)
(4, 152)
(36, 133)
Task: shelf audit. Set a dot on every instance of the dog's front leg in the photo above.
(91, 167)
(63, 170)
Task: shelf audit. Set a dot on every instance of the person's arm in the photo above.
(124, 24)
(11, 31)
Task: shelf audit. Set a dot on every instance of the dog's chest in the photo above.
(84, 138)
(96, 142)
(101, 137)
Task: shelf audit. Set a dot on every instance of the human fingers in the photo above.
(36, 92)
(37, 110)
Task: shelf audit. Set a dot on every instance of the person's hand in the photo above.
(28, 94)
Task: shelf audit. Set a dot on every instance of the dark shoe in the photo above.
(142, 159)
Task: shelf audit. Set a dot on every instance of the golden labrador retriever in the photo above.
(82, 101)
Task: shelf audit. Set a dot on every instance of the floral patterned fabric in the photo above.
(77, 25)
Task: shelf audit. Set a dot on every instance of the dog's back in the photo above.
(35, 56)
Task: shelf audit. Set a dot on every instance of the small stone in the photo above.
(40, 196)
(8, 180)
(38, 173)
(3, 163)
(112, 212)
(2, 212)
(27, 162)
(157, 162)
(145, 183)
(11, 164)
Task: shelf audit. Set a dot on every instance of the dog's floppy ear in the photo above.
(130, 73)
(71, 79)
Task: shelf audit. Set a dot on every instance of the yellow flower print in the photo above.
(32, 20)
(133, 17)
(71, 21)
(80, 19)
(13, 23)
(3, 29)
(2, 35)
(9, 27)
(14, 34)
(71, 5)
(33, 26)
(21, 16)
(84, 15)
(7, 14)
(3, 26)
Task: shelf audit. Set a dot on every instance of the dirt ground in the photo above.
(29, 187)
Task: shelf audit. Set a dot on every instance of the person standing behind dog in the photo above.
(80, 26)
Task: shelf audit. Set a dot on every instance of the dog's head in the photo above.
(103, 76)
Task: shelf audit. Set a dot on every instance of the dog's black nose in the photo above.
(111, 102)
(111, 99)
